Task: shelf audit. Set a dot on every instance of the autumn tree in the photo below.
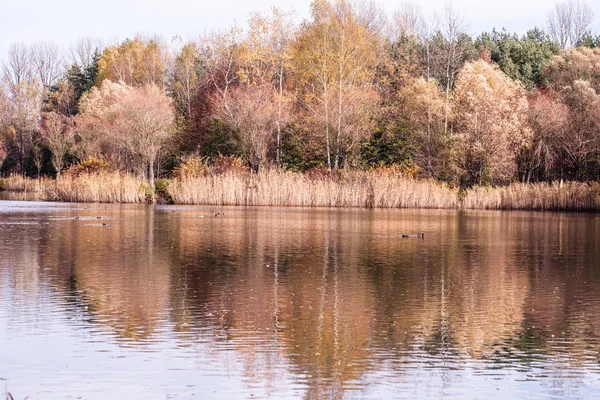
(140, 119)
(253, 113)
(185, 79)
(335, 58)
(549, 121)
(134, 62)
(582, 141)
(422, 110)
(490, 121)
(575, 75)
(574, 64)
(58, 135)
(269, 58)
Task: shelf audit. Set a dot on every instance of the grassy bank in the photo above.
(371, 189)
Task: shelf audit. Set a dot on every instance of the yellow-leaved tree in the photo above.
(335, 59)
(134, 62)
(269, 60)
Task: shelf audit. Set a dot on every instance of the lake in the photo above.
(157, 302)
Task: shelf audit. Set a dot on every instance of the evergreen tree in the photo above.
(520, 58)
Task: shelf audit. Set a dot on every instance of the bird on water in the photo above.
(419, 235)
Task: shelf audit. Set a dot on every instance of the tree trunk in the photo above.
(151, 173)
(278, 158)
(325, 96)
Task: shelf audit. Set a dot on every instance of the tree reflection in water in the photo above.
(333, 300)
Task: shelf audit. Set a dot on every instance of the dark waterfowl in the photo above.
(419, 236)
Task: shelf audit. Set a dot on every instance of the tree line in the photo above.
(349, 87)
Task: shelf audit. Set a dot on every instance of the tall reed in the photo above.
(573, 196)
(280, 188)
(102, 187)
(18, 183)
(274, 187)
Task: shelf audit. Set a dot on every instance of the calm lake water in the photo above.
(142, 302)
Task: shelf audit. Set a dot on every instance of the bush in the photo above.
(91, 165)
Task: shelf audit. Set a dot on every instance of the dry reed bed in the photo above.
(18, 183)
(279, 188)
(574, 196)
(104, 187)
(98, 188)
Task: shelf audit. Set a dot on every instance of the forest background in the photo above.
(351, 88)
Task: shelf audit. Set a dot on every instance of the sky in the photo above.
(63, 21)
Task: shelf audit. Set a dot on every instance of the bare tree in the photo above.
(185, 79)
(426, 28)
(219, 58)
(24, 115)
(82, 52)
(569, 22)
(371, 15)
(406, 21)
(451, 52)
(47, 62)
(18, 67)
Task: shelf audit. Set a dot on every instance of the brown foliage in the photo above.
(252, 111)
(490, 117)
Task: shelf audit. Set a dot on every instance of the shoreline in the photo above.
(362, 189)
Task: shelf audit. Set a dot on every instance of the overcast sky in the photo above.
(63, 21)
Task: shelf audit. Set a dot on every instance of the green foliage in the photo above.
(161, 189)
(389, 145)
(300, 151)
(520, 58)
(217, 140)
(64, 96)
(591, 42)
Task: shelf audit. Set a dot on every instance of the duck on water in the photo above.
(419, 236)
